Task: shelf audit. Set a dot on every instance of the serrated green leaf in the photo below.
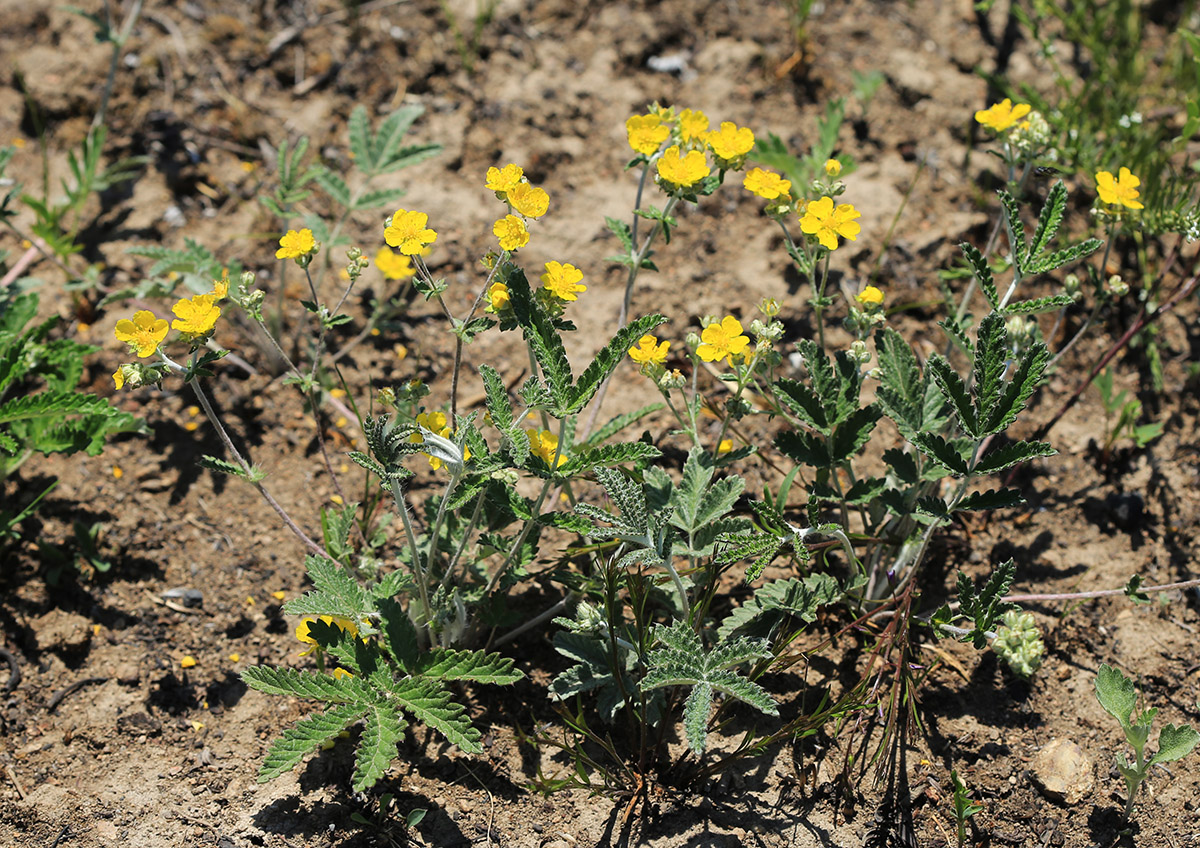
(475, 666)
(1012, 454)
(318, 687)
(1066, 256)
(1041, 304)
(621, 230)
(430, 704)
(288, 750)
(1016, 231)
(336, 593)
(805, 448)
(1049, 219)
(803, 402)
(955, 391)
(983, 273)
(608, 456)
(544, 342)
(695, 715)
(497, 397)
(382, 730)
(1016, 393)
(399, 634)
(383, 198)
(852, 433)
(941, 451)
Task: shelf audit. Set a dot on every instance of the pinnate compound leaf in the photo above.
(1116, 694)
(288, 750)
(382, 730)
(1175, 743)
(360, 138)
(334, 186)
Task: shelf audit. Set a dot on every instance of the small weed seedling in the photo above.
(1116, 694)
(964, 807)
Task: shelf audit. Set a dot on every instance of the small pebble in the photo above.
(1063, 771)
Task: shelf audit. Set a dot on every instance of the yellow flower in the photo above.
(693, 124)
(731, 141)
(504, 179)
(220, 289)
(563, 280)
(393, 266)
(196, 316)
(833, 167)
(498, 296)
(1122, 190)
(650, 350)
(408, 232)
(143, 334)
(119, 379)
(339, 673)
(646, 133)
(723, 340)
(870, 297)
(1000, 116)
(543, 443)
(302, 631)
(826, 223)
(188, 662)
(766, 184)
(512, 233)
(530, 201)
(682, 171)
(294, 245)
(725, 447)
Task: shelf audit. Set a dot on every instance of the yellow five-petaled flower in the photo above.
(822, 220)
(196, 316)
(1121, 190)
(731, 141)
(529, 200)
(646, 133)
(497, 296)
(680, 170)
(143, 334)
(511, 232)
(408, 231)
(1000, 116)
(722, 340)
(693, 124)
(294, 245)
(650, 350)
(766, 184)
(394, 266)
(562, 280)
(504, 179)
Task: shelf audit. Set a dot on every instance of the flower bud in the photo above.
(1117, 287)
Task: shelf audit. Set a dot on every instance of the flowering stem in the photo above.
(435, 529)
(422, 587)
(223, 435)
